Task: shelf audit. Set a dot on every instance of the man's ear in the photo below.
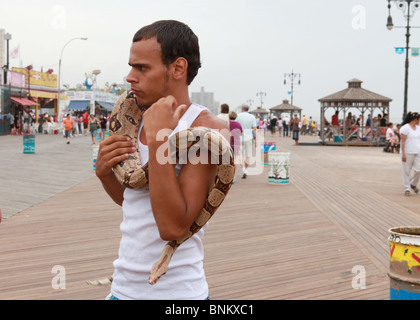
(180, 68)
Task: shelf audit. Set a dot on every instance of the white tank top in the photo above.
(141, 246)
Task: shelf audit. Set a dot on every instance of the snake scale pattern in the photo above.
(125, 120)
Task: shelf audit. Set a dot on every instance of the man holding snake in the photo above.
(164, 59)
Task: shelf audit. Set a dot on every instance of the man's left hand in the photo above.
(163, 114)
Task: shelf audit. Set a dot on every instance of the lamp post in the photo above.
(408, 7)
(292, 76)
(7, 37)
(261, 94)
(29, 68)
(59, 72)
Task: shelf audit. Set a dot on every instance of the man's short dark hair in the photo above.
(176, 40)
(224, 108)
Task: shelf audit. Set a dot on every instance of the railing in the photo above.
(355, 135)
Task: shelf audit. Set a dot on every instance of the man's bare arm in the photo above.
(176, 201)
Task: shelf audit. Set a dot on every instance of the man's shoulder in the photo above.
(245, 115)
(209, 120)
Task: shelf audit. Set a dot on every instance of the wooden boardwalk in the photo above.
(297, 241)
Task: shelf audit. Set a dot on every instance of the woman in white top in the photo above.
(280, 123)
(410, 151)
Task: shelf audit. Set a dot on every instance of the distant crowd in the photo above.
(71, 124)
(284, 126)
(86, 124)
(243, 128)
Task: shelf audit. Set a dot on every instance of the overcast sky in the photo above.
(246, 45)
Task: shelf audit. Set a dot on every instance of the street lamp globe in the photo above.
(389, 24)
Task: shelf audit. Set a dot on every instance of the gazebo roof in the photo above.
(259, 110)
(285, 106)
(355, 92)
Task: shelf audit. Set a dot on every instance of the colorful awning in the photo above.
(24, 102)
(78, 105)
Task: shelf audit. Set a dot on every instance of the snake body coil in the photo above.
(125, 120)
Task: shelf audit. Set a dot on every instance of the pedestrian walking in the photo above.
(273, 126)
(79, 124)
(286, 121)
(410, 152)
(304, 125)
(102, 124)
(235, 135)
(93, 127)
(280, 123)
(249, 127)
(68, 127)
(294, 126)
(85, 117)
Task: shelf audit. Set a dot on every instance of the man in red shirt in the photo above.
(68, 126)
(85, 117)
(334, 119)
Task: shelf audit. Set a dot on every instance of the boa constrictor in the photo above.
(125, 119)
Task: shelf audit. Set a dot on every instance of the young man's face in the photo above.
(148, 76)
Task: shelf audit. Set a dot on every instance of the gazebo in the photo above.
(353, 99)
(286, 107)
(260, 112)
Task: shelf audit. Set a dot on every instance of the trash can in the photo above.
(278, 167)
(95, 149)
(29, 143)
(404, 267)
(266, 147)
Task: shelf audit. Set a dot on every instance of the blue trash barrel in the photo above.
(29, 143)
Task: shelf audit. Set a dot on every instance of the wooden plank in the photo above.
(298, 241)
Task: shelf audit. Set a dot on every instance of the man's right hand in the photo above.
(112, 151)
